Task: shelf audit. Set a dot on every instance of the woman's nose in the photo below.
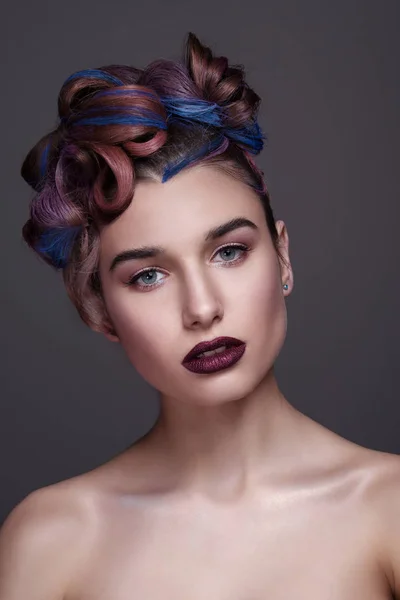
(202, 304)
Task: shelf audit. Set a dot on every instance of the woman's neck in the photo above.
(228, 449)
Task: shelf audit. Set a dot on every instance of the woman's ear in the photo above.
(284, 259)
(104, 323)
(108, 330)
(111, 337)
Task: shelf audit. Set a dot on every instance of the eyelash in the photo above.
(133, 281)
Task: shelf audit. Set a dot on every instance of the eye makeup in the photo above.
(134, 280)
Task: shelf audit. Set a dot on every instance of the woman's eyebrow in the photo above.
(152, 251)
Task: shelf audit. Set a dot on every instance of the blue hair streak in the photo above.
(122, 120)
(43, 159)
(94, 74)
(251, 136)
(210, 113)
(193, 110)
(56, 243)
(123, 116)
(171, 170)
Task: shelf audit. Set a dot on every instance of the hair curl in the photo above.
(118, 124)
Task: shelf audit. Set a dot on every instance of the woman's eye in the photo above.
(230, 253)
(148, 279)
(145, 279)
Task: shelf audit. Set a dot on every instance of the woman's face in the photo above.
(193, 289)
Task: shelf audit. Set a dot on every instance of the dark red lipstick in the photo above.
(234, 350)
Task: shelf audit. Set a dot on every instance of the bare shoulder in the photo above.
(44, 539)
(382, 477)
(381, 498)
(385, 485)
(373, 479)
(377, 474)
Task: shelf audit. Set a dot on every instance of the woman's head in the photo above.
(157, 157)
(190, 260)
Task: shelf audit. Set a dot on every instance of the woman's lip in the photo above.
(219, 361)
(211, 345)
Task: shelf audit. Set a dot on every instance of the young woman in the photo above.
(149, 201)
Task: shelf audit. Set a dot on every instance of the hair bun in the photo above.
(219, 82)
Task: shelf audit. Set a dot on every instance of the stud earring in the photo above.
(286, 287)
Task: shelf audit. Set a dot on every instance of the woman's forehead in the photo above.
(193, 201)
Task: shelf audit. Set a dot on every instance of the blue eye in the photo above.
(147, 279)
(231, 250)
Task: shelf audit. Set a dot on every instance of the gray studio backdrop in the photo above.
(328, 73)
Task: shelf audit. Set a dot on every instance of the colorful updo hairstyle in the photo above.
(119, 124)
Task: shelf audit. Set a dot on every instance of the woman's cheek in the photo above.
(267, 309)
(143, 338)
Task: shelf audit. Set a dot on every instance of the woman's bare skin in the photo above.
(234, 494)
(327, 527)
(315, 530)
